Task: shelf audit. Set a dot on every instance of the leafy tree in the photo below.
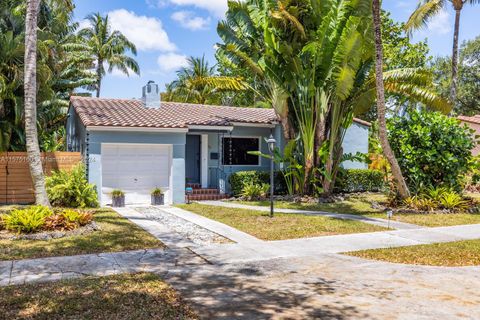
(62, 67)
(109, 47)
(468, 95)
(421, 16)
(432, 149)
(314, 62)
(199, 83)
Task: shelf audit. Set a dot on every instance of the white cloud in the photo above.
(188, 20)
(156, 3)
(82, 24)
(216, 7)
(119, 74)
(171, 61)
(146, 33)
(440, 24)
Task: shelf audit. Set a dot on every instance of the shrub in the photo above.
(71, 189)
(240, 179)
(117, 193)
(58, 222)
(26, 220)
(359, 180)
(254, 191)
(431, 149)
(157, 192)
(77, 217)
(437, 198)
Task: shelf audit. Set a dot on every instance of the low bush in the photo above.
(26, 220)
(38, 218)
(240, 179)
(71, 189)
(117, 193)
(359, 180)
(437, 198)
(254, 191)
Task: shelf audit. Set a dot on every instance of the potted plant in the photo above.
(157, 197)
(118, 198)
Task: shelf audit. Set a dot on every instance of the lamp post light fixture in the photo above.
(271, 147)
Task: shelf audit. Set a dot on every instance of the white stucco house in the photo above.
(138, 144)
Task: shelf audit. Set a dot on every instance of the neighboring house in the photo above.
(136, 145)
(474, 123)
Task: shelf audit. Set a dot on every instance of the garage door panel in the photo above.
(135, 169)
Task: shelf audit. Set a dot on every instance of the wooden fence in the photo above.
(16, 185)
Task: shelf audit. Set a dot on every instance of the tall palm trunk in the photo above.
(453, 88)
(33, 149)
(382, 123)
(99, 77)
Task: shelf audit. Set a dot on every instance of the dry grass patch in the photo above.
(136, 296)
(282, 226)
(116, 234)
(449, 254)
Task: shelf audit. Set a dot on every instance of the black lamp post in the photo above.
(271, 147)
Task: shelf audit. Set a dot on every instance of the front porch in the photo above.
(212, 154)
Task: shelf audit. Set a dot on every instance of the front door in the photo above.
(192, 159)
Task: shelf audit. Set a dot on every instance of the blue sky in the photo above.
(167, 31)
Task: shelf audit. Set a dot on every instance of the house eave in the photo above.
(256, 125)
(135, 129)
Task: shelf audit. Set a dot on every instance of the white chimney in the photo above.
(151, 95)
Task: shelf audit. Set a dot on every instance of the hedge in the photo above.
(359, 180)
(238, 179)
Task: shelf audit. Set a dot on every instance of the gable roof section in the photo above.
(475, 119)
(130, 113)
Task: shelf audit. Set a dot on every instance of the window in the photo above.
(235, 151)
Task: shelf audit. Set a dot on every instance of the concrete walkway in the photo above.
(375, 221)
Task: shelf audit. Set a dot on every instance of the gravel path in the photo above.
(186, 229)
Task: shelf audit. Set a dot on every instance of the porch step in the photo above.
(201, 197)
(193, 185)
(206, 191)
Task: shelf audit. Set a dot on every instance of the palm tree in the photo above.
(425, 11)
(199, 83)
(381, 109)
(30, 83)
(108, 47)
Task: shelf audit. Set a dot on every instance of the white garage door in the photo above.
(135, 169)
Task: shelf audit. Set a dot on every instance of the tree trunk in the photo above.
(33, 149)
(453, 88)
(99, 77)
(382, 123)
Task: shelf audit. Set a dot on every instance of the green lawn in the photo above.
(136, 296)
(282, 226)
(434, 219)
(361, 204)
(116, 234)
(449, 254)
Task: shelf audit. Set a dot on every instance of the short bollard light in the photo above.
(389, 216)
(188, 192)
(271, 147)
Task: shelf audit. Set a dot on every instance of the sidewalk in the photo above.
(375, 221)
(57, 268)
